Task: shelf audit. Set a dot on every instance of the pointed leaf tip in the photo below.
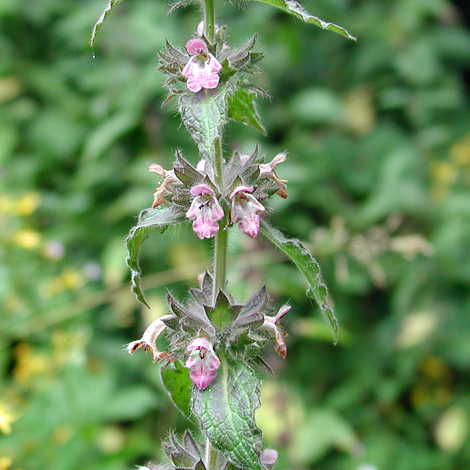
(296, 9)
(242, 108)
(111, 4)
(158, 218)
(309, 267)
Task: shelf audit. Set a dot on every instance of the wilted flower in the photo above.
(245, 210)
(205, 210)
(202, 68)
(203, 362)
(149, 338)
(169, 178)
(271, 324)
(266, 170)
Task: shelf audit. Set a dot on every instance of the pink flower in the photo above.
(202, 68)
(245, 210)
(203, 362)
(205, 210)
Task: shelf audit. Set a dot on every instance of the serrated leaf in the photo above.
(242, 108)
(158, 218)
(175, 378)
(296, 9)
(225, 411)
(111, 4)
(309, 267)
(204, 115)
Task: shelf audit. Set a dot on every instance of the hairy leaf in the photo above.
(309, 267)
(225, 411)
(158, 218)
(175, 378)
(242, 108)
(204, 114)
(111, 4)
(296, 9)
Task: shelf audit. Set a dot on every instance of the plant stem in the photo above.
(221, 238)
(209, 20)
(220, 260)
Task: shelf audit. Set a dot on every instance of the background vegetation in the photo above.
(379, 172)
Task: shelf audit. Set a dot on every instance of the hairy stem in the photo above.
(209, 20)
(221, 239)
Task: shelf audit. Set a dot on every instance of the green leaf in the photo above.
(242, 108)
(204, 115)
(296, 9)
(175, 378)
(111, 4)
(225, 411)
(309, 267)
(158, 218)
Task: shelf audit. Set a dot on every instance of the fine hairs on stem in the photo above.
(215, 342)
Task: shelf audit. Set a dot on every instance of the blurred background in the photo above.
(378, 135)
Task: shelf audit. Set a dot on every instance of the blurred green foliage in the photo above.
(379, 172)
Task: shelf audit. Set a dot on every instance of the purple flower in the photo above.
(203, 362)
(202, 68)
(245, 210)
(205, 210)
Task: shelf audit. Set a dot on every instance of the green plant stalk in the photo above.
(221, 238)
(209, 20)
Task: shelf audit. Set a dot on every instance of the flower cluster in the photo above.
(200, 335)
(247, 183)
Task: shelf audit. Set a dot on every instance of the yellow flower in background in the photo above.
(27, 239)
(461, 152)
(28, 204)
(24, 206)
(69, 279)
(30, 364)
(72, 279)
(6, 418)
(5, 463)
